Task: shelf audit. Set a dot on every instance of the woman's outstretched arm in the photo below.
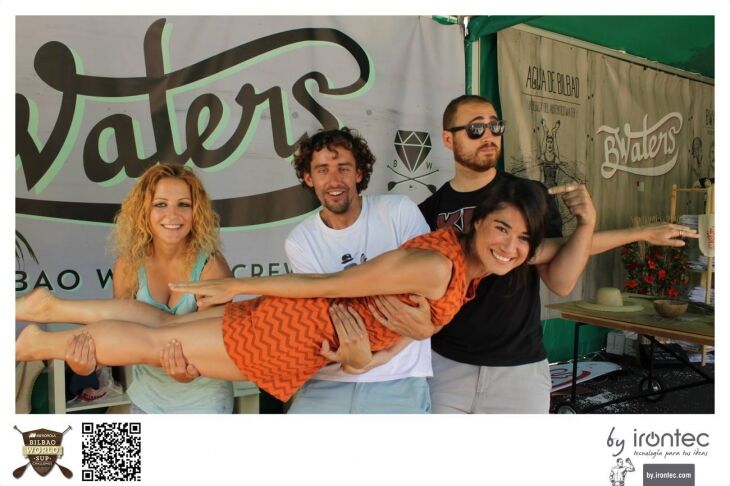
(560, 263)
(44, 307)
(401, 271)
(664, 234)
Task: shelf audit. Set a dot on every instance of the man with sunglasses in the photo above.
(491, 358)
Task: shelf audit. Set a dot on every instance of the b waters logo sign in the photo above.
(624, 148)
(57, 66)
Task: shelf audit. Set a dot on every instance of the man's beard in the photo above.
(340, 208)
(473, 161)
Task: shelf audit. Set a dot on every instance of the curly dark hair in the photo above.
(343, 137)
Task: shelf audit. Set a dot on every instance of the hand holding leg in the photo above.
(81, 354)
(176, 365)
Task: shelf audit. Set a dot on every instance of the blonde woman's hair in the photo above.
(132, 235)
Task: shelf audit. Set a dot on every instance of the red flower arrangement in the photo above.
(655, 270)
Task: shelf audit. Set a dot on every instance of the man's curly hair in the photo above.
(330, 139)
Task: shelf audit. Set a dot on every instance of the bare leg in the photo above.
(42, 306)
(211, 313)
(120, 343)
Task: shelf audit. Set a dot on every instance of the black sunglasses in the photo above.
(476, 130)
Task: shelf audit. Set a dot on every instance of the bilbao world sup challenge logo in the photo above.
(42, 448)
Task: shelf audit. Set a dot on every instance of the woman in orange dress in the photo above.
(275, 341)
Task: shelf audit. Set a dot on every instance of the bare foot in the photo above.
(35, 306)
(27, 342)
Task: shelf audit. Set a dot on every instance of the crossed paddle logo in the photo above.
(42, 448)
(412, 148)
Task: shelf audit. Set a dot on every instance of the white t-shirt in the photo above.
(385, 222)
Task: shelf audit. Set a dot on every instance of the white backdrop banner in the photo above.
(100, 99)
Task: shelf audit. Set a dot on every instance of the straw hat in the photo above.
(609, 299)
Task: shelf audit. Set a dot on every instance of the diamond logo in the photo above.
(412, 147)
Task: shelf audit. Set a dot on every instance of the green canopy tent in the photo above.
(684, 45)
(681, 45)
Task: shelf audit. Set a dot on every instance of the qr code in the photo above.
(111, 451)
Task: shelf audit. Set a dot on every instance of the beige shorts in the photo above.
(464, 388)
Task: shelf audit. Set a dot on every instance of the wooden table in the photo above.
(695, 326)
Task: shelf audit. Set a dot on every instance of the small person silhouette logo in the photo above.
(618, 472)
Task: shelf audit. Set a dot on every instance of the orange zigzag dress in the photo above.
(275, 341)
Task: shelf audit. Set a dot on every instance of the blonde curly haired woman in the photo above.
(165, 231)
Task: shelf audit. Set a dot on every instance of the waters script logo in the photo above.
(623, 147)
(62, 70)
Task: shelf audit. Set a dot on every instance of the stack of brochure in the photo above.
(700, 264)
(689, 220)
(697, 294)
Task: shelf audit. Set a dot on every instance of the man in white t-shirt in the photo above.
(350, 229)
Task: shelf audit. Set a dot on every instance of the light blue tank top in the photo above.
(154, 391)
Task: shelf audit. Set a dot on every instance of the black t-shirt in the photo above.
(501, 326)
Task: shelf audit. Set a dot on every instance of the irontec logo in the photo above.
(661, 444)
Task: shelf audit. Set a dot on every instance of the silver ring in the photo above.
(680, 233)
